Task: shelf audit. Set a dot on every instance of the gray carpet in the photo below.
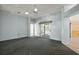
(34, 46)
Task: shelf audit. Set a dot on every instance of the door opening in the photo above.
(45, 29)
(74, 32)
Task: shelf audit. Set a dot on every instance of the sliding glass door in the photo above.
(45, 29)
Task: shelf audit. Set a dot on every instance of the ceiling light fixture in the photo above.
(26, 12)
(35, 9)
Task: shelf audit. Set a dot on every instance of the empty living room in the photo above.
(39, 29)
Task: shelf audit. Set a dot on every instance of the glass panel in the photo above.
(45, 28)
(42, 29)
(31, 29)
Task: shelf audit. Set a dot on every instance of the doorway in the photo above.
(74, 26)
(45, 29)
(74, 32)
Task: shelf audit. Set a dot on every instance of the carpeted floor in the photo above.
(34, 46)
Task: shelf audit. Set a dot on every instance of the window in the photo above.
(31, 29)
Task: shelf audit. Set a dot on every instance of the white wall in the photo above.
(12, 26)
(28, 25)
(66, 31)
(55, 26)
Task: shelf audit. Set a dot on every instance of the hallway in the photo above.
(34, 46)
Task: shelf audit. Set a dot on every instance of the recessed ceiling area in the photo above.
(42, 9)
